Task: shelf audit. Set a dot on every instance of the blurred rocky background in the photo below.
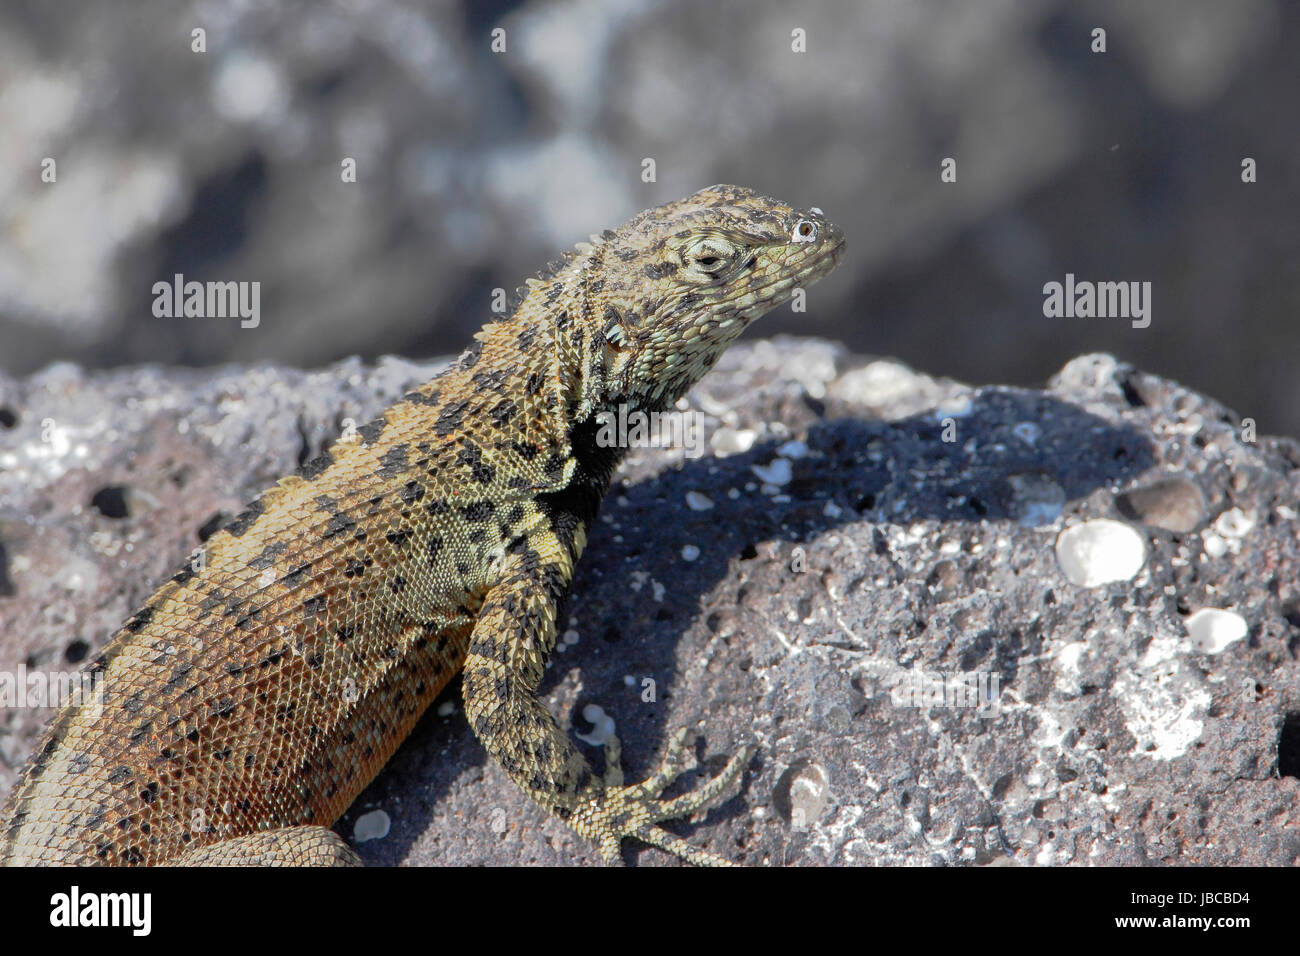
(475, 167)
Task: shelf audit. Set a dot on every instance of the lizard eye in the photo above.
(805, 230)
(709, 259)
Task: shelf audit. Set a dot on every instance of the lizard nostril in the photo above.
(805, 230)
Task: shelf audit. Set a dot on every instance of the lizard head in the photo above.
(678, 283)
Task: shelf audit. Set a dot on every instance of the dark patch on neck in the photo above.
(577, 504)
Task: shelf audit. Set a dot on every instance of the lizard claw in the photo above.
(633, 811)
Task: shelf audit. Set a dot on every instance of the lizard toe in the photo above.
(634, 810)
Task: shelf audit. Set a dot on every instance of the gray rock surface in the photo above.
(787, 605)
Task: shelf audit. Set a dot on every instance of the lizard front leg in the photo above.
(511, 641)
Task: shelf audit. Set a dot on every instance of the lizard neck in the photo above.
(581, 350)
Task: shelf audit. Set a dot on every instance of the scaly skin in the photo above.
(259, 691)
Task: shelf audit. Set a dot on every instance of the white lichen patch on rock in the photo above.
(1100, 551)
(1164, 702)
(1234, 523)
(1066, 676)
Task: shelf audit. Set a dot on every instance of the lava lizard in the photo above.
(257, 693)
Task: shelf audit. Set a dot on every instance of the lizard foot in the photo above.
(633, 811)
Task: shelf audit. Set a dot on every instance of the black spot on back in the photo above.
(137, 623)
(502, 412)
(317, 465)
(338, 524)
(394, 461)
(472, 457)
(371, 431)
(267, 558)
(244, 520)
(420, 398)
(450, 418)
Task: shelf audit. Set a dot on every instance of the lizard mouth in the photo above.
(826, 261)
(793, 271)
